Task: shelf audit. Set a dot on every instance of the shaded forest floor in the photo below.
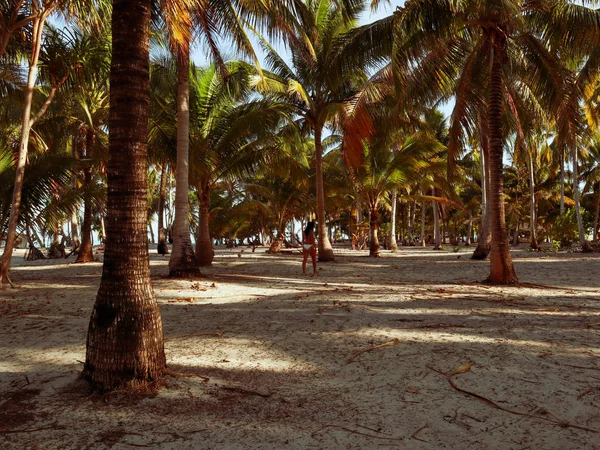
(263, 357)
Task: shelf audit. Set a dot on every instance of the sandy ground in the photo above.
(267, 358)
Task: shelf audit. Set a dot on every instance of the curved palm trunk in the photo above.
(204, 249)
(374, 247)
(484, 239)
(183, 261)
(125, 344)
(26, 123)
(325, 248)
(86, 253)
(585, 247)
(533, 212)
(162, 248)
(393, 244)
(501, 266)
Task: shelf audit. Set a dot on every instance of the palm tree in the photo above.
(319, 80)
(125, 343)
(486, 46)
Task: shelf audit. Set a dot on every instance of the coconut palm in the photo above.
(319, 80)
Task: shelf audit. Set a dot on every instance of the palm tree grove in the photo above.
(329, 224)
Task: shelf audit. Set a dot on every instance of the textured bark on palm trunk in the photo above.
(125, 339)
(183, 260)
(393, 244)
(162, 248)
(325, 248)
(533, 213)
(484, 237)
(86, 253)
(374, 247)
(501, 266)
(585, 247)
(11, 234)
(597, 216)
(204, 249)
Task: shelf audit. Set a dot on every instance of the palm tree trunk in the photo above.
(325, 249)
(436, 226)
(125, 344)
(501, 266)
(183, 261)
(162, 248)
(562, 182)
(374, 247)
(393, 244)
(533, 210)
(86, 253)
(423, 214)
(597, 216)
(585, 247)
(11, 234)
(469, 229)
(484, 238)
(204, 250)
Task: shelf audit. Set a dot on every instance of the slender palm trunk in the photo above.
(11, 234)
(562, 182)
(597, 215)
(501, 266)
(183, 261)
(204, 249)
(585, 247)
(374, 247)
(423, 216)
(484, 239)
(86, 253)
(125, 344)
(162, 248)
(469, 229)
(325, 248)
(533, 210)
(436, 226)
(393, 244)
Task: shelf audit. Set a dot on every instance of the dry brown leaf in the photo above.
(466, 367)
(413, 390)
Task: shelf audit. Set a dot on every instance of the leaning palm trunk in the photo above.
(533, 213)
(484, 238)
(204, 249)
(374, 247)
(26, 123)
(501, 266)
(86, 253)
(585, 247)
(183, 261)
(125, 344)
(325, 249)
(162, 248)
(393, 244)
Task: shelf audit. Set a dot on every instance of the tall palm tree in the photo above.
(125, 343)
(319, 79)
(486, 46)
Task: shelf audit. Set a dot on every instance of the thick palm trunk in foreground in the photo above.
(325, 248)
(125, 338)
(183, 261)
(501, 266)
